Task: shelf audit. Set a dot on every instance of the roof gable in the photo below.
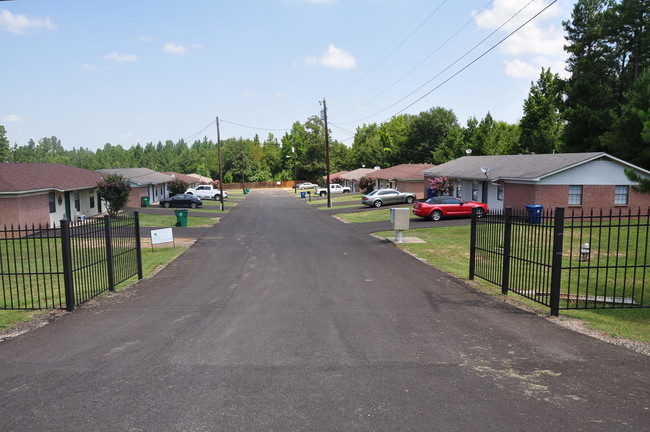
(139, 176)
(403, 172)
(25, 177)
(531, 167)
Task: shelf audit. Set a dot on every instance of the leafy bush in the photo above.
(115, 190)
(441, 185)
(177, 186)
(337, 180)
(366, 183)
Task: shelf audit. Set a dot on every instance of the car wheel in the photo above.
(480, 213)
(190, 193)
(323, 194)
(377, 203)
(409, 200)
(193, 205)
(167, 205)
(217, 197)
(436, 215)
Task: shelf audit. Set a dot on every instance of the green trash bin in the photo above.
(246, 190)
(181, 218)
(145, 202)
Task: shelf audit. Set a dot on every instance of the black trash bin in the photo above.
(534, 213)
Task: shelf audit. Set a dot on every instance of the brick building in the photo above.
(45, 193)
(144, 183)
(572, 180)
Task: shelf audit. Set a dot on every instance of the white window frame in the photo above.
(621, 195)
(575, 195)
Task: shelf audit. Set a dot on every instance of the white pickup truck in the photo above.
(335, 188)
(206, 192)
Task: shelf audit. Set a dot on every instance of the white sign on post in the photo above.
(164, 235)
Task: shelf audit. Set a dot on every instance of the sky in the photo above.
(126, 72)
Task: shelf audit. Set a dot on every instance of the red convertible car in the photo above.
(445, 206)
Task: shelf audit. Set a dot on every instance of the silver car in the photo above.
(382, 197)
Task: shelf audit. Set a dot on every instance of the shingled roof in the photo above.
(530, 167)
(139, 176)
(33, 177)
(402, 172)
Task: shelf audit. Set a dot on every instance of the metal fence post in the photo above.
(108, 237)
(138, 244)
(556, 269)
(507, 238)
(472, 246)
(68, 283)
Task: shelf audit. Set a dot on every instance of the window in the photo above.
(459, 190)
(500, 192)
(51, 199)
(77, 203)
(620, 195)
(474, 191)
(92, 198)
(575, 195)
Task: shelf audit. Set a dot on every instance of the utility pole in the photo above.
(327, 154)
(220, 169)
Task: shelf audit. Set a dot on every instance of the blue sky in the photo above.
(127, 72)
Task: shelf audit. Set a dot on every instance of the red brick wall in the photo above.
(415, 187)
(550, 196)
(136, 194)
(25, 210)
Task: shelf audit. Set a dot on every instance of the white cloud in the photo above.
(126, 135)
(13, 118)
(87, 67)
(143, 39)
(174, 48)
(531, 69)
(544, 41)
(248, 93)
(19, 24)
(280, 95)
(333, 58)
(121, 57)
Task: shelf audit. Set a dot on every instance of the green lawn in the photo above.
(170, 221)
(447, 248)
(151, 261)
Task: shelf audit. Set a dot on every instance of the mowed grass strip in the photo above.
(170, 221)
(152, 260)
(447, 248)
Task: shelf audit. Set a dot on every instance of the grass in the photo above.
(365, 216)
(447, 248)
(170, 221)
(151, 261)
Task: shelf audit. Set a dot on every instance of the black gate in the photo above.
(44, 268)
(576, 261)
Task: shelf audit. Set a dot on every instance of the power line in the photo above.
(390, 53)
(462, 57)
(426, 58)
(191, 137)
(472, 62)
(252, 127)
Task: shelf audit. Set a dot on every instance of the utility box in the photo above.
(400, 219)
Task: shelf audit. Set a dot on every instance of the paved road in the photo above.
(281, 318)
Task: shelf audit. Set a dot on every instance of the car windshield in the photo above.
(373, 193)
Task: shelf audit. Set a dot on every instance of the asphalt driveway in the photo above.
(281, 318)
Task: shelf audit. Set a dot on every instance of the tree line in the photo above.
(604, 105)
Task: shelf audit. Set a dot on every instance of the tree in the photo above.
(441, 185)
(115, 190)
(4, 145)
(644, 183)
(428, 130)
(541, 126)
(366, 183)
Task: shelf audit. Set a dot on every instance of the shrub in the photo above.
(441, 185)
(366, 183)
(177, 186)
(115, 190)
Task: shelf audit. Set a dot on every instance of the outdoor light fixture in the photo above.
(585, 251)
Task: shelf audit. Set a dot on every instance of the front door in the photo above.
(484, 192)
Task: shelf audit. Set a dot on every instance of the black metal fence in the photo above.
(565, 261)
(45, 268)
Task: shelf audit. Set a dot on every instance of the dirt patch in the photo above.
(38, 320)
